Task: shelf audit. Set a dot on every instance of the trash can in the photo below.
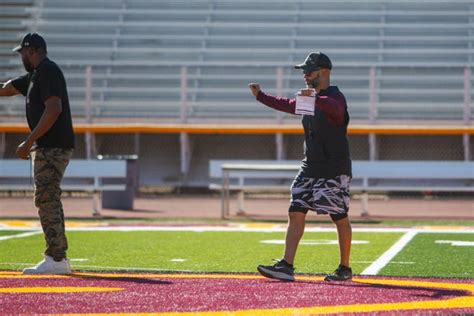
(122, 200)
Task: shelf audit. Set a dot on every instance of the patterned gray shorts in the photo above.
(324, 196)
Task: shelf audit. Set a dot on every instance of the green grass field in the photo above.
(432, 258)
(211, 251)
(7, 233)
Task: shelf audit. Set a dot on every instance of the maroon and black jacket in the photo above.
(326, 146)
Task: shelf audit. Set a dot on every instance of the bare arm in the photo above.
(53, 107)
(8, 89)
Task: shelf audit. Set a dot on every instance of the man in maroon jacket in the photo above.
(322, 184)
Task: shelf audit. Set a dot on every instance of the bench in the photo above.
(368, 176)
(80, 175)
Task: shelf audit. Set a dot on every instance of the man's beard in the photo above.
(315, 82)
(27, 65)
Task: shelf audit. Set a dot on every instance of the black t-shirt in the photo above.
(45, 81)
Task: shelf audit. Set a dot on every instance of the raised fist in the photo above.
(254, 88)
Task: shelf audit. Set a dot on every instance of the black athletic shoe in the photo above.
(342, 273)
(281, 270)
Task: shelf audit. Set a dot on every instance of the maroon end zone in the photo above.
(154, 293)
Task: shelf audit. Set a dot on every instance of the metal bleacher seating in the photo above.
(80, 175)
(136, 49)
(368, 176)
(12, 13)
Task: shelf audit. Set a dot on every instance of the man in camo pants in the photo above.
(50, 144)
(48, 169)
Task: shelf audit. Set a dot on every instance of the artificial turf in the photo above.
(425, 255)
(241, 252)
(194, 251)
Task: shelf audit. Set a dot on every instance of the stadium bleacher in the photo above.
(396, 61)
(136, 49)
(12, 15)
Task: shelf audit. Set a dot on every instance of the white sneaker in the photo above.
(49, 266)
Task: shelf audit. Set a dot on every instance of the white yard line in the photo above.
(28, 234)
(260, 229)
(383, 260)
(203, 229)
(74, 266)
(16, 263)
(391, 262)
(243, 229)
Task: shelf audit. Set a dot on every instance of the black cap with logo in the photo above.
(31, 40)
(315, 61)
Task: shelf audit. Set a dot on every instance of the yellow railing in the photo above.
(247, 129)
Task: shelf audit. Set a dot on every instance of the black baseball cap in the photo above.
(315, 61)
(31, 40)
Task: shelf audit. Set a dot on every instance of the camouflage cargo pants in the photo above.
(48, 170)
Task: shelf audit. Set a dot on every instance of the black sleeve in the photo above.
(51, 82)
(21, 84)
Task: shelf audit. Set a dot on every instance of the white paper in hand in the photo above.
(305, 105)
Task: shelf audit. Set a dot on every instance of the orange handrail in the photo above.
(247, 129)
